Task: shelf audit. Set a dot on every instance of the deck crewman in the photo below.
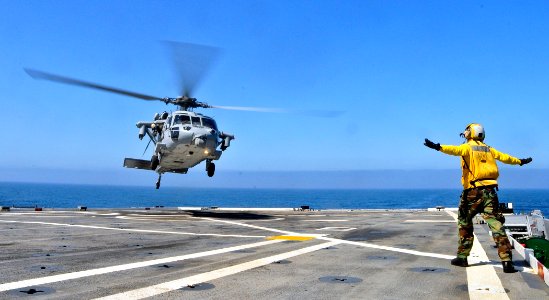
(479, 180)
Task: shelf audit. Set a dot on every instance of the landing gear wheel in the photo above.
(154, 162)
(210, 169)
(158, 182)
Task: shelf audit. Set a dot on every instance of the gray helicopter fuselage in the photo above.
(182, 140)
(187, 138)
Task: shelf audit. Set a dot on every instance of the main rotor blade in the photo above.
(319, 113)
(192, 62)
(250, 108)
(309, 112)
(57, 78)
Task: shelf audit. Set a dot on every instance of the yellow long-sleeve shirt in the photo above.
(474, 167)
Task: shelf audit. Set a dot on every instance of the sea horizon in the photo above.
(70, 195)
(151, 185)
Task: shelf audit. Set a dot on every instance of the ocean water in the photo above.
(95, 196)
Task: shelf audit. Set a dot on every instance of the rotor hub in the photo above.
(185, 102)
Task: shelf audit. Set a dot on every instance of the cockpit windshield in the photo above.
(196, 121)
(181, 119)
(207, 122)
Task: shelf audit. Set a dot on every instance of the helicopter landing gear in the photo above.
(158, 181)
(210, 168)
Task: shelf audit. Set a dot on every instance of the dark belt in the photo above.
(484, 187)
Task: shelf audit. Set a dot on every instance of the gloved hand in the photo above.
(524, 161)
(432, 145)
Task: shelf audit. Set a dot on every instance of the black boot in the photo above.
(460, 262)
(508, 267)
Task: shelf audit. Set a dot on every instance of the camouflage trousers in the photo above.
(484, 202)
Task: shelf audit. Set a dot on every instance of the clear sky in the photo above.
(400, 70)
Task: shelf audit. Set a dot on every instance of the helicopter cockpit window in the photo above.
(196, 121)
(207, 122)
(181, 119)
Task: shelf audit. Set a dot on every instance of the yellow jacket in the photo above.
(478, 163)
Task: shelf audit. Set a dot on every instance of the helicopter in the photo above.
(184, 138)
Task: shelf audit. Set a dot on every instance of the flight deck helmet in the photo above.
(474, 131)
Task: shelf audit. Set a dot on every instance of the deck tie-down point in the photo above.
(340, 279)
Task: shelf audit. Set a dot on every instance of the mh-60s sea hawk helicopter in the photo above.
(183, 138)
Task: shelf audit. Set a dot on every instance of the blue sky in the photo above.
(401, 71)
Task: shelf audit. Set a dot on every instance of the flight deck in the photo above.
(214, 253)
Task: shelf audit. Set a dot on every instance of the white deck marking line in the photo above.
(316, 235)
(165, 287)
(482, 280)
(43, 216)
(252, 226)
(105, 270)
(323, 237)
(152, 219)
(134, 230)
(151, 216)
(270, 220)
(337, 228)
(429, 221)
(393, 249)
(326, 220)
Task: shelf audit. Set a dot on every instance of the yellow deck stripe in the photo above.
(291, 237)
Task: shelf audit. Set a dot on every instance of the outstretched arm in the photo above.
(432, 145)
(508, 159)
(524, 161)
(460, 150)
